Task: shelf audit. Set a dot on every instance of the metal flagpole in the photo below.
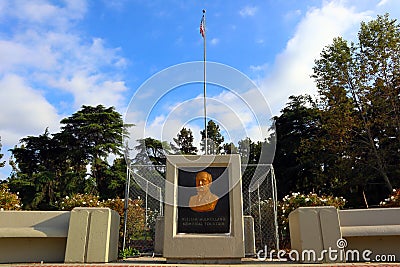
(204, 82)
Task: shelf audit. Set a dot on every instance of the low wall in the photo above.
(33, 236)
(82, 235)
(352, 235)
(376, 230)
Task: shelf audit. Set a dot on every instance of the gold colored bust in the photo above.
(204, 201)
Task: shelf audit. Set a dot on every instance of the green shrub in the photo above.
(393, 200)
(8, 200)
(129, 252)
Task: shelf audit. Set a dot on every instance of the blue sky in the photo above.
(56, 56)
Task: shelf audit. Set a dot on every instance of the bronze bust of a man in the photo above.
(204, 201)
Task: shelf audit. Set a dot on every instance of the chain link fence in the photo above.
(147, 182)
(260, 201)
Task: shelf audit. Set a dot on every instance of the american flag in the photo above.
(202, 27)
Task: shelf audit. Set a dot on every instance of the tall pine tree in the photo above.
(215, 138)
(184, 142)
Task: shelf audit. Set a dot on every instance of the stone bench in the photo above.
(377, 230)
(320, 228)
(81, 235)
(33, 236)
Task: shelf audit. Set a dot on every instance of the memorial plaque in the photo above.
(203, 209)
(206, 209)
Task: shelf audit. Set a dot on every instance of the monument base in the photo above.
(249, 236)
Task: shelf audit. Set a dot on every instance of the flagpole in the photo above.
(204, 83)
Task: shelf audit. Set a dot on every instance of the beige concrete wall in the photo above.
(93, 236)
(159, 236)
(374, 232)
(365, 217)
(249, 236)
(32, 249)
(85, 235)
(33, 236)
(316, 229)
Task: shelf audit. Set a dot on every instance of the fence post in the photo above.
(161, 202)
(147, 192)
(259, 214)
(249, 194)
(127, 186)
(275, 201)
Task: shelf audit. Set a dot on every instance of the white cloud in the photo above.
(260, 41)
(290, 74)
(236, 117)
(292, 14)
(47, 50)
(214, 41)
(24, 111)
(43, 56)
(383, 2)
(389, 6)
(44, 12)
(248, 11)
(91, 89)
(115, 4)
(259, 68)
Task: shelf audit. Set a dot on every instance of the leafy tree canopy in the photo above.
(2, 164)
(184, 143)
(215, 138)
(48, 167)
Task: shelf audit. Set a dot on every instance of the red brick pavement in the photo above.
(253, 264)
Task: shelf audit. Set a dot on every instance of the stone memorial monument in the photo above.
(203, 210)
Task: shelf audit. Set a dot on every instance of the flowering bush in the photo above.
(80, 200)
(8, 200)
(296, 200)
(135, 225)
(116, 204)
(393, 200)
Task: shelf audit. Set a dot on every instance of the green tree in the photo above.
(215, 138)
(184, 142)
(151, 152)
(94, 133)
(244, 149)
(376, 90)
(230, 148)
(249, 151)
(359, 88)
(2, 164)
(298, 121)
(150, 160)
(49, 167)
(115, 178)
(38, 175)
